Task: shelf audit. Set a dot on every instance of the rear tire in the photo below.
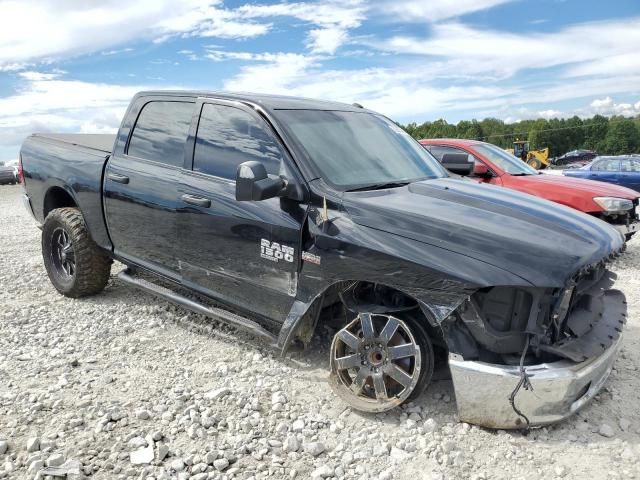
(75, 264)
(374, 371)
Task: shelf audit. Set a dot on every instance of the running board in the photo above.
(213, 312)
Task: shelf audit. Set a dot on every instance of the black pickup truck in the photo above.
(275, 214)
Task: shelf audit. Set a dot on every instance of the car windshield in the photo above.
(359, 149)
(504, 160)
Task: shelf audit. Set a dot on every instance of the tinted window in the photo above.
(227, 137)
(609, 165)
(358, 149)
(161, 132)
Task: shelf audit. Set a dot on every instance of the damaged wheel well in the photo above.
(343, 299)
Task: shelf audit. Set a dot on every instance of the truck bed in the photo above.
(94, 141)
(58, 166)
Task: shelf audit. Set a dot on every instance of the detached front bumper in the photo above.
(559, 388)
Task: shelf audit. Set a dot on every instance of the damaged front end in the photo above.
(523, 357)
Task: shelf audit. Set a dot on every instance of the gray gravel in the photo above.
(121, 385)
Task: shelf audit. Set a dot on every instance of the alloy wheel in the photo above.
(63, 253)
(375, 362)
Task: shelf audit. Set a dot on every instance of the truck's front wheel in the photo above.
(74, 263)
(378, 361)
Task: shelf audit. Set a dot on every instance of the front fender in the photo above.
(341, 251)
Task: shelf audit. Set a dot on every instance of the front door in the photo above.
(243, 253)
(606, 170)
(141, 186)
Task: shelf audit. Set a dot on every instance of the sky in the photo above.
(71, 66)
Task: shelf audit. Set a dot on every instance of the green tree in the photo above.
(605, 135)
(622, 136)
(595, 132)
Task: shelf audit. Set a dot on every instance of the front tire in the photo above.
(535, 163)
(379, 361)
(74, 263)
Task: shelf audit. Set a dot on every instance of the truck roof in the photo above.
(269, 102)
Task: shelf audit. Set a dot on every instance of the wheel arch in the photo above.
(57, 197)
(304, 316)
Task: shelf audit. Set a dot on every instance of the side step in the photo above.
(213, 312)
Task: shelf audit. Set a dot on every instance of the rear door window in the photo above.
(161, 132)
(228, 136)
(630, 165)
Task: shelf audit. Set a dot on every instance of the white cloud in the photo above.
(276, 72)
(400, 93)
(44, 30)
(608, 107)
(589, 47)
(432, 10)
(48, 103)
(333, 17)
(117, 51)
(551, 113)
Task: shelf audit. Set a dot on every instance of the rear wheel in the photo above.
(379, 361)
(74, 263)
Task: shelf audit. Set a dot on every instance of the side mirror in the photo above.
(254, 184)
(481, 170)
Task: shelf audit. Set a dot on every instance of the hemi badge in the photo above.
(311, 258)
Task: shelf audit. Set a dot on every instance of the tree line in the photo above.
(615, 135)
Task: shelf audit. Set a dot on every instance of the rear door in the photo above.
(141, 185)
(243, 253)
(630, 173)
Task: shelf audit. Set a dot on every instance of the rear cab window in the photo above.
(228, 136)
(160, 132)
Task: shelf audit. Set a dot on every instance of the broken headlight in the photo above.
(612, 204)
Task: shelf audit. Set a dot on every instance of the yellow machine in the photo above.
(537, 159)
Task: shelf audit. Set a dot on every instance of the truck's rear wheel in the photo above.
(74, 263)
(379, 361)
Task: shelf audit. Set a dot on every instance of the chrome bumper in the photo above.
(626, 229)
(559, 389)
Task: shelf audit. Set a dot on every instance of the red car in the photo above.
(488, 163)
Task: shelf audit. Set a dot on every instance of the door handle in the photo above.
(198, 201)
(116, 177)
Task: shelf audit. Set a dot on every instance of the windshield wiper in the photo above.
(379, 186)
(522, 174)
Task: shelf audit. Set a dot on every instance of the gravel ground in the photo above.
(121, 385)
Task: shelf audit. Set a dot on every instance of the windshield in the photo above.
(358, 149)
(504, 160)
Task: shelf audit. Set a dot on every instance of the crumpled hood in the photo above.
(540, 241)
(560, 185)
